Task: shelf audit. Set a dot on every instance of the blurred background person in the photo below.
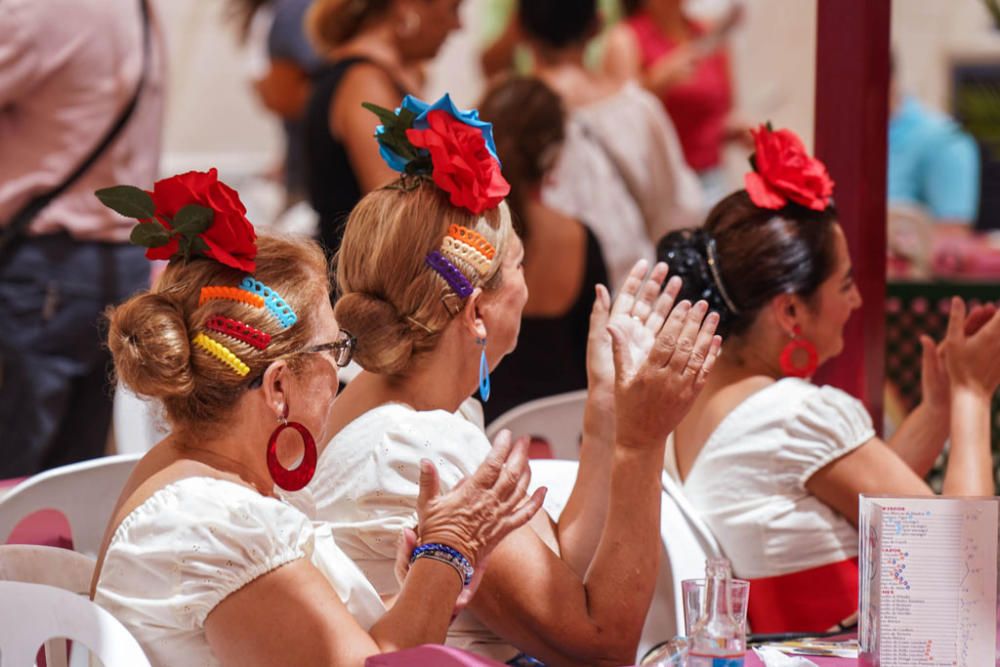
(284, 66)
(933, 163)
(528, 120)
(374, 49)
(686, 64)
(621, 169)
(70, 71)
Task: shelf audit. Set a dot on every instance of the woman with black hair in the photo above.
(551, 357)
(774, 463)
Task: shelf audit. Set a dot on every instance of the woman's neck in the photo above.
(230, 454)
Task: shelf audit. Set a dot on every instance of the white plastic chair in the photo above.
(84, 492)
(687, 542)
(31, 614)
(51, 566)
(558, 419)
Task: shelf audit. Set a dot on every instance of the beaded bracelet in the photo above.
(445, 554)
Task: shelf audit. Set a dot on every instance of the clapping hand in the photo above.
(639, 310)
(970, 348)
(935, 383)
(655, 389)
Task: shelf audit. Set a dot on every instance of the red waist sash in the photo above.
(811, 600)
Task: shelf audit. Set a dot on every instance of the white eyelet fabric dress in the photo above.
(748, 481)
(199, 539)
(366, 487)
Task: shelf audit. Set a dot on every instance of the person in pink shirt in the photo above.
(685, 64)
(81, 94)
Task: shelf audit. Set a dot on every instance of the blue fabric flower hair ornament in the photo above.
(452, 146)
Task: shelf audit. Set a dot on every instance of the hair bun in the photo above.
(685, 251)
(385, 341)
(149, 341)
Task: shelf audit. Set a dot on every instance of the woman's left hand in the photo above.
(934, 381)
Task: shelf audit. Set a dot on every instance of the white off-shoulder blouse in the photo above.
(198, 540)
(366, 486)
(748, 481)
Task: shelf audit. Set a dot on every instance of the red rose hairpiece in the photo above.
(453, 146)
(192, 214)
(784, 171)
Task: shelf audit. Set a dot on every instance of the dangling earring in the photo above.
(297, 478)
(409, 26)
(484, 373)
(788, 354)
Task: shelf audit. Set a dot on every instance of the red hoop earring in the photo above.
(297, 478)
(796, 345)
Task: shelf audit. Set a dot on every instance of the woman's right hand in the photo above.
(483, 508)
(654, 392)
(970, 353)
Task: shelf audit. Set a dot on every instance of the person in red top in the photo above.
(686, 65)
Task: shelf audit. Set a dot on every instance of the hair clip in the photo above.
(213, 292)
(272, 300)
(241, 331)
(472, 238)
(459, 250)
(455, 279)
(713, 267)
(222, 353)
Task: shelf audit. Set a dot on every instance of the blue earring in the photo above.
(484, 373)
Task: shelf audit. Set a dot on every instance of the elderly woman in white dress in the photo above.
(773, 462)
(205, 561)
(430, 282)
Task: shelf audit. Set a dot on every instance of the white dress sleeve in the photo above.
(386, 491)
(827, 424)
(194, 543)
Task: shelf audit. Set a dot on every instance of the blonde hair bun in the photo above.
(385, 339)
(151, 347)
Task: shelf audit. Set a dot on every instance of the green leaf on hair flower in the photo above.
(150, 235)
(753, 161)
(128, 200)
(393, 135)
(192, 220)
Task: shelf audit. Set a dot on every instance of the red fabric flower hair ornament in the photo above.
(784, 171)
(452, 146)
(191, 214)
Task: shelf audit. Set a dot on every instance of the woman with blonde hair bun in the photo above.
(210, 557)
(374, 49)
(431, 284)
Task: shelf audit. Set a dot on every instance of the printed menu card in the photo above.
(928, 581)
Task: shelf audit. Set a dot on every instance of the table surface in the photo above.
(753, 661)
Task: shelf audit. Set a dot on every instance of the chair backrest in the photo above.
(557, 419)
(687, 542)
(33, 613)
(52, 566)
(84, 492)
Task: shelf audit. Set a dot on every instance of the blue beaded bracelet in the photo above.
(445, 554)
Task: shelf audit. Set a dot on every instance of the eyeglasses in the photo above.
(342, 348)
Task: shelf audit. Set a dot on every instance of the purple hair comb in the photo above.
(455, 279)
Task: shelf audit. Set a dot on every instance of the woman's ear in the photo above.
(471, 318)
(275, 388)
(786, 309)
